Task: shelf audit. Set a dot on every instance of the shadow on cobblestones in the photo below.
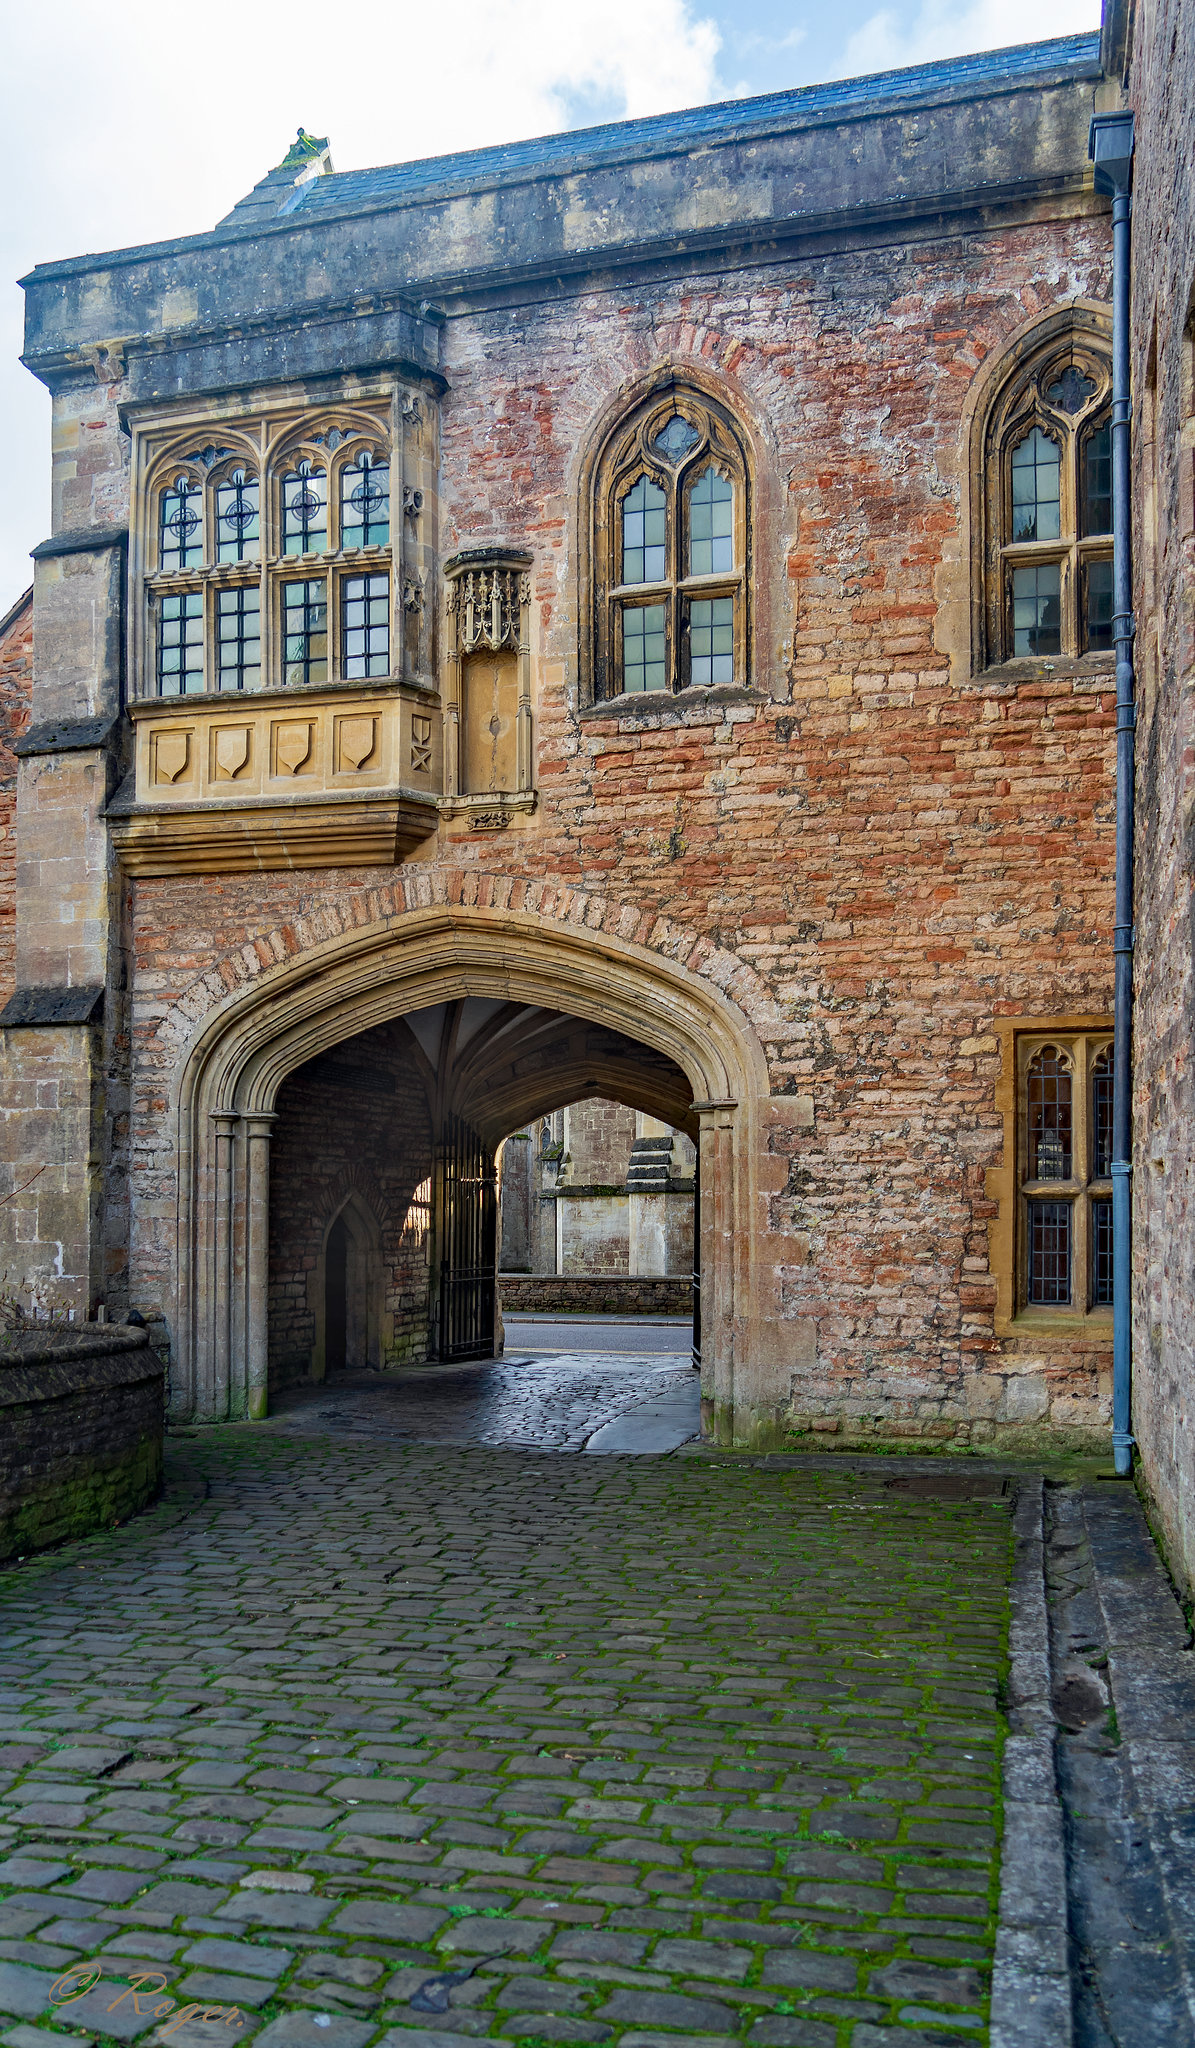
(408, 1744)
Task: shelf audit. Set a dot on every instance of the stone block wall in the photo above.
(352, 1124)
(1162, 93)
(81, 1430)
(605, 1294)
(16, 692)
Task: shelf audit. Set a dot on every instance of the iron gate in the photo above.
(467, 1237)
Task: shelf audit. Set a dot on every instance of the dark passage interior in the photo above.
(384, 1183)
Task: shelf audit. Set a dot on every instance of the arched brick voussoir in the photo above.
(170, 1026)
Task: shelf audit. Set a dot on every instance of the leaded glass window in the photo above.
(180, 643)
(1047, 470)
(711, 640)
(711, 525)
(180, 529)
(1036, 609)
(305, 631)
(645, 647)
(1097, 605)
(305, 511)
(238, 638)
(1097, 479)
(1049, 1254)
(365, 503)
(670, 529)
(365, 624)
(1036, 488)
(228, 599)
(238, 518)
(1101, 1114)
(1050, 1107)
(1065, 1147)
(644, 514)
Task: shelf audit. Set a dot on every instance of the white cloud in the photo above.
(152, 119)
(889, 39)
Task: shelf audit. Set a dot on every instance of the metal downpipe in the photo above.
(1111, 149)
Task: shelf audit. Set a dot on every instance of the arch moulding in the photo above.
(230, 1072)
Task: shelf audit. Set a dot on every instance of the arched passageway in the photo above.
(491, 1018)
(383, 1241)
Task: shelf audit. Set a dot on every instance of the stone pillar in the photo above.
(64, 1077)
(716, 1168)
(226, 1122)
(258, 1127)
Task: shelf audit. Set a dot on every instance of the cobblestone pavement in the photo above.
(350, 1742)
(548, 1402)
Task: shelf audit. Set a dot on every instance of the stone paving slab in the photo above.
(617, 1749)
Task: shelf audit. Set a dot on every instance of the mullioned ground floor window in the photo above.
(1052, 1240)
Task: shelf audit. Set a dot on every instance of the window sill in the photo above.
(696, 705)
(1094, 1325)
(280, 693)
(1084, 668)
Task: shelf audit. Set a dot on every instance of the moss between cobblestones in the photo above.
(711, 1746)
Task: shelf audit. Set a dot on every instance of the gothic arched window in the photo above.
(669, 537)
(1047, 469)
(305, 510)
(365, 502)
(180, 524)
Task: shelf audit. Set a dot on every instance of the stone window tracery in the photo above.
(669, 545)
(1046, 464)
(267, 560)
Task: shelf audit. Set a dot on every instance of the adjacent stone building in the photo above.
(597, 1212)
(1152, 51)
(623, 616)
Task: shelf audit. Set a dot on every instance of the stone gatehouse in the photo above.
(625, 615)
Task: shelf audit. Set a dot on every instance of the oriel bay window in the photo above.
(269, 567)
(1047, 460)
(1064, 1172)
(669, 538)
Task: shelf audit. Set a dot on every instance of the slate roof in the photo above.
(665, 134)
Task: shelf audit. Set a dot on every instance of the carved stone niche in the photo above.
(487, 694)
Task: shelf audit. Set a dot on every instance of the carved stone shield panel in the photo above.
(231, 751)
(292, 746)
(357, 737)
(172, 754)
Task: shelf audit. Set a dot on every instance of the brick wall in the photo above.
(889, 851)
(1162, 91)
(16, 691)
(352, 1123)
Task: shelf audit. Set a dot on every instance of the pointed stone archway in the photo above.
(231, 1072)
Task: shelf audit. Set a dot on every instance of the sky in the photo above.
(148, 119)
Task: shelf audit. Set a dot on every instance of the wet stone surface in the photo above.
(352, 1742)
(547, 1402)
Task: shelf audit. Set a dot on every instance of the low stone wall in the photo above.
(81, 1428)
(594, 1294)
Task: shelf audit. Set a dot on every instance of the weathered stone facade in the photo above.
(598, 1189)
(1155, 56)
(800, 915)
